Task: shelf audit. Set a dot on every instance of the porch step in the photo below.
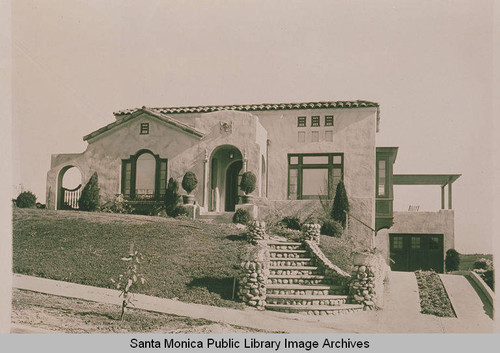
(316, 309)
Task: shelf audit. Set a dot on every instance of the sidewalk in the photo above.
(401, 312)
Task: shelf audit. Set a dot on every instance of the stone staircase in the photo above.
(296, 284)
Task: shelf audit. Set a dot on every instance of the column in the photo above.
(442, 196)
(449, 196)
(205, 180)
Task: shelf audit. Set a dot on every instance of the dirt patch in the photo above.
(60, 314)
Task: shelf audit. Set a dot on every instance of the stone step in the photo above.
(331, 300)
(285, 245)
(287, 254)
(316, 309)
(299, 289)
(298, 279)
(217, 217)
(293, 270)
(292, 262)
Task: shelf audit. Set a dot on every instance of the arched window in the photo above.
(144, 176)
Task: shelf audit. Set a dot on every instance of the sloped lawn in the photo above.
(189, 260)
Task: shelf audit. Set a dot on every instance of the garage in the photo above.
(411, 252)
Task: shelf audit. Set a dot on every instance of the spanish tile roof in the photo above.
(166, 119)
(257, 107)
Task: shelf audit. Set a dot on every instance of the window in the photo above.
(302, 137)
(144, 176)
(381, 175)
(329, 136)
(301, 121)
(329, 120)
(315, 136)
(144, 128)
(315, 121)
(313, 175)
(415, 242)
(397, 243)
(434, 243)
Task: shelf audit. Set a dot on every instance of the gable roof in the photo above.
(164, 118)
(257, 107)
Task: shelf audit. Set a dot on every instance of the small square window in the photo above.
(415, 242)
(434, 243)
(329, 136)
(397, 243)
(144, 128)
(315, 136)
(329, 120)
(301, 121)
(302, 137)
(294, 160)
(337, 159)
(315, 121)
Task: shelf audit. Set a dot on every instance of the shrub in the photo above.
(189, 182)
(291, 234)
(89, 200)
(331, 228)
(177, 211)
(292, 222)
(26, 199)
(340, 204)
(242, 216)
(116, 206)
(172, 196)
(248, 180)
(452, 260)
(484, 268)
(483, 264)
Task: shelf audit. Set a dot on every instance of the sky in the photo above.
(427, 63)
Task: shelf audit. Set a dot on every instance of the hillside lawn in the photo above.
(192, 261)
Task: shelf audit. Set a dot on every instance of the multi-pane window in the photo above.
(315, 121)
(144, 128)
(397, 243)
(329, 120)
(301, 121)
(433, 243)
(311, 176)
(381, 174)
(144, 176)
(415, 242)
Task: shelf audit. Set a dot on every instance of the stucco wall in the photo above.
(441, 222)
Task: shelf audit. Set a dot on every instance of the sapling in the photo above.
(130, 279)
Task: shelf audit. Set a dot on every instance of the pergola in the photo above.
(429, 179)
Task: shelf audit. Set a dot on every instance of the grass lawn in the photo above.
(193, 261)
(467, 260)
(433, 297)
(338, 251)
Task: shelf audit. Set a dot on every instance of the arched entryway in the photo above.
(69, 188)
(226, 166)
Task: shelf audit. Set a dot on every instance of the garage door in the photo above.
(411, 252)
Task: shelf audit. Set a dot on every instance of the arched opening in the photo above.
(69, 188)
(224, 178)
(145, 175)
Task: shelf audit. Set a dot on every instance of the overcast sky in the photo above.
(427, 63)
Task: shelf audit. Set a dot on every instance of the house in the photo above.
(298, 151)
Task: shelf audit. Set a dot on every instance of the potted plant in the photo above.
(189, 183)
(247, 185)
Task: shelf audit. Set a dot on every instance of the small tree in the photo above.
(26, 199)
(452, 260)
(89, 200)
(340, 205)
(189, 182)
(172, 196)
(130, 279)
(248, 181)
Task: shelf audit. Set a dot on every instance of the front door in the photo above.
(411, 252)
(232, 183)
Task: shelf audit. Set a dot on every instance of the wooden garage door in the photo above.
(411, 252)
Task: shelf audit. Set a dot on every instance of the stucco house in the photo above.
(298, 152)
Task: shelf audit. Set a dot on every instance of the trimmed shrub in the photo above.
(332, 228)
(89, 200)
(452, 260)
(117, 207)
(189, 182)
(248, 181)
(242, 216)
(292, 222)
(178, 211)
(340, 205)
(26, 199)
(172, 196)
